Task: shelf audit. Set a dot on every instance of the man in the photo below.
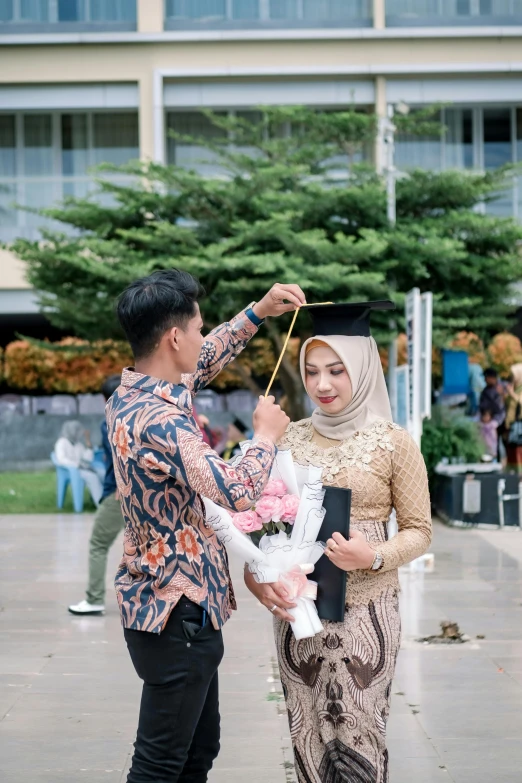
(108, 524)
(173, 584)
(491, 399)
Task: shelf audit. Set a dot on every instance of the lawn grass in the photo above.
(35, 493)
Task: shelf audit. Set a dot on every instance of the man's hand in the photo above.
(268, 594)
(280, 299)
(269, 420)
(350, 555)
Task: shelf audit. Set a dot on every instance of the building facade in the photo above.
(90, 81)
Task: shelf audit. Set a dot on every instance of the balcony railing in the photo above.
(453, 13)
(52, 16)
(266, 14)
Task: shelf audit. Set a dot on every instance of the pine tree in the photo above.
(293, 204)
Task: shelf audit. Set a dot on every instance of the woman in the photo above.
(337, 685)
(73, 450)
(513, 414)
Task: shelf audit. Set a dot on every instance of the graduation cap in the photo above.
(349, 319)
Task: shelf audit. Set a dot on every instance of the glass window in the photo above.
(283, 9)
(116, 138)
(71, 10)
(193, 123)
(38, 145)
(113, 10)
(7, 145)
(423, 152)
(197, 9)
(459, 139)
(75, 153)
(497, 138)
(245, 9)
(6, 10)
(497, 152)
(34, 10)
(519, 135)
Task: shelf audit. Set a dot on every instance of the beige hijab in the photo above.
(370, 401)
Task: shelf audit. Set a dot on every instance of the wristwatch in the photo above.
(378, 562)
(252, 316)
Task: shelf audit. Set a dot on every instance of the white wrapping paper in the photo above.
(281, 557)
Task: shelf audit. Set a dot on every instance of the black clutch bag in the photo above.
(331, 581)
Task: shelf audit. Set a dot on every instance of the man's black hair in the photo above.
(152, 305)
(490, 373)
(110, 385)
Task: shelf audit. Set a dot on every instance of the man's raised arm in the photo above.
(227, 341)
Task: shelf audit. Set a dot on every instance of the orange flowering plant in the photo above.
(71, 366)
(504, 350)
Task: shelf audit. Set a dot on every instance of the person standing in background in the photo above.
(490, 397)
(108, 524)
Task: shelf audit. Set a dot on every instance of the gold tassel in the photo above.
(285, 346)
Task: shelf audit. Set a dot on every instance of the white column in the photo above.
(379, 14)
(150, 16)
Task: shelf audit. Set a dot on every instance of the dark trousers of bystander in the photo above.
(178, 730)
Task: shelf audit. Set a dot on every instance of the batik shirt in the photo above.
(162, 468)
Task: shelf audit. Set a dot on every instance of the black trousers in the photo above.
(178, 729)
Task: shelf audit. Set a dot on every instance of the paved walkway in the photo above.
(69, 697)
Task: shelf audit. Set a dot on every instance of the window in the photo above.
(479, 138)
(205, 161)
(273, 13)
(118, 14)
(193, 123)
(45, 157)
(404, 13)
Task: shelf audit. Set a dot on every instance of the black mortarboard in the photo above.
(238, 424)
(350, 319)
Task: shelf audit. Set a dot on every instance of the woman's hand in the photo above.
(269, 595)
(351, 555)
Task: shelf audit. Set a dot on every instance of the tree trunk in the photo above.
(289, 377)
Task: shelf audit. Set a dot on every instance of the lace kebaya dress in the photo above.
(337, 685)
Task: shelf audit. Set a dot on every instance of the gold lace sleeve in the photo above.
(411, 500)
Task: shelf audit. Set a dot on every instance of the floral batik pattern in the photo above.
(162, 467)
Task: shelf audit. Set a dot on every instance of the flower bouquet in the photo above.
(277, 538)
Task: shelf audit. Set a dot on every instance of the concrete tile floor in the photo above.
(69, 697)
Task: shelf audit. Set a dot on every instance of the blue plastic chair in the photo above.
(64, 477)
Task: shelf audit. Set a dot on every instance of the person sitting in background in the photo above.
(491, 398)
(236, 432)
(108, 523)
(73, 449)
(489, 431)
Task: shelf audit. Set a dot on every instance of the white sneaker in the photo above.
(84, 607)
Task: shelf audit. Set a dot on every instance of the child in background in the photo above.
(489, 431)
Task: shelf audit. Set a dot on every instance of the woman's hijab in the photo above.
(370, 401)
(73, 431)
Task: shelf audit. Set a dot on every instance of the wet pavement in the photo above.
(69, 697)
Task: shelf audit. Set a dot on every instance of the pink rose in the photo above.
(275, 488)
(290, 506)
(269, 508)
(247, 521)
